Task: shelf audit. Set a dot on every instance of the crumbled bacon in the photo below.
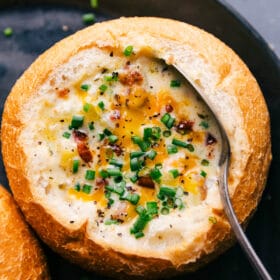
(116, 149)
(101, 183)
(84, 151)
(130, 77)
(62, 93)
(116, 115)
(184, 126)
(168, 108)
(210, 139)
(79, 135)
(146, 181)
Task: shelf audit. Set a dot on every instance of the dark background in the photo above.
(39, 24)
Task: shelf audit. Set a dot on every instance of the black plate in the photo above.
(37, 26)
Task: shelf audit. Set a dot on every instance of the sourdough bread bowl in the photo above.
(20, 254)
(112, 157)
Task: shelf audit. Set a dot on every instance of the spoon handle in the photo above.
(237, 229)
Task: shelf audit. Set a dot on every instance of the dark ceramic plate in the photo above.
(38, 24)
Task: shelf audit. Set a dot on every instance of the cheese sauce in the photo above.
(129, 136)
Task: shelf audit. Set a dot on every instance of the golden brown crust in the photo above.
(20, 254)
(232, 74)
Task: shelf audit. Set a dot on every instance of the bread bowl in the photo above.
(20, 254)
(73, 84)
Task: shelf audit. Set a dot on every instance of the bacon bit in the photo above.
(130, 78)
(116, 115)
(79, 136)
(168, 108)
(210, 139)
(63, 93)
(184, 126)
(116, 149)
(100, 213)
(101, 183)
(84, 151)
(146, 181)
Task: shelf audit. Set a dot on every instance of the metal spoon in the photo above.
(223, 188)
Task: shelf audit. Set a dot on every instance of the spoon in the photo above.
(223, 188)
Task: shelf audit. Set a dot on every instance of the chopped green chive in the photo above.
(91, 126)
(77, 187)
(118, 189)
(85, 87)
(114, 172)
(103, 88)
(66, 135)
(175, 83)
(112, 139)
(203, 173)
(133, 178)
(152, 133)
(171, 149)
(135, 164)
(174, 172)
(8, 32)
(136, 154)
(143, 145)
(212, 220)
(128, 51)
(204, 124)
(94, 3)
(139, 234)
(152, 208)
(103, 173)
(204, 162)
(190, 147)
(166, 191)
(112, 78)
(164, 211)
(86, 107)
(167, 120)
(87, 188)
(107, 132)
(101, 105)
(133, 198)
(77, 121)
(166, 133)
(75, 166)
(101, 136)
(116, 162)
(155, 174)
(90, 175)
(151, 154)
(179, 143)
(158, 165)
(111, 222)
(88, 18)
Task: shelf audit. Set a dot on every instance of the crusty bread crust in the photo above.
(20, 254)
(228, 84)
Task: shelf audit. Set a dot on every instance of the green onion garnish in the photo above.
(101, 136)
(135, 164)
(114, 77)
(152, 133)
(133, 178)
(151, 154)
(8, 32)
(114, 172)
(87, 188)
(175, 83)
(179, 143)
(128, 51)
(75, 166)
(107, 132)
(136, 154)
(116, 162)
(86, 107)
(112, 139)
(118, 189)
(66, 135)
(204, 162)
(103, 88)
(94, 3)
(166, 191)
(171, 149)
(103, 173)
(204, 124)
(143, 145)
(203, 173)
(155, 174)
(90, 175)
(190, 147)
(158, 165)
(174, 172)
(85, 87)
(164, 211)
(91, 126)
(133, 198)
(77, 121)
(166, 133)
(152, 208)
(111, 222)
(167, 120)
(88, 18)
(139, 234)
(101, 105)
(77, 187)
